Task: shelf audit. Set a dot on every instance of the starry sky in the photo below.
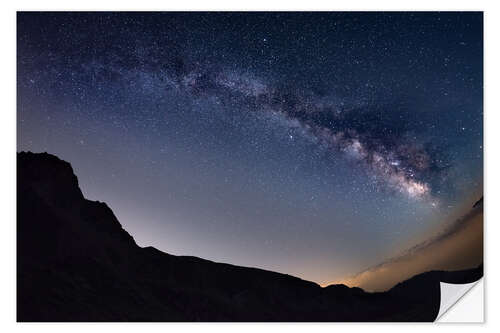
(313, 144)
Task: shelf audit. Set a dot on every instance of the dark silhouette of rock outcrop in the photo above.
(75, 262)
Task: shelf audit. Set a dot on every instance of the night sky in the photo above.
(313, 144)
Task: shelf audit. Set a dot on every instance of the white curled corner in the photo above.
(451, 294)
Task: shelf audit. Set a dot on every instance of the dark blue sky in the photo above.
(315, 144)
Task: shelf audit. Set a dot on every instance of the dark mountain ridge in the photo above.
(75, 262)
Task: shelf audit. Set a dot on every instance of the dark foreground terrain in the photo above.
(75, 262)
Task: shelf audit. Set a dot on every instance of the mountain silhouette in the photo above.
(75, 262)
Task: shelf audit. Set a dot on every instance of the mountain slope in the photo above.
(75, 262)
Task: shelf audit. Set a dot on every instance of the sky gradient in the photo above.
(313, 144)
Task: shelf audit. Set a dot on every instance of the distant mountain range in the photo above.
(75, 262)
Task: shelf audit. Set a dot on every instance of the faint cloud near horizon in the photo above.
(458, 247)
